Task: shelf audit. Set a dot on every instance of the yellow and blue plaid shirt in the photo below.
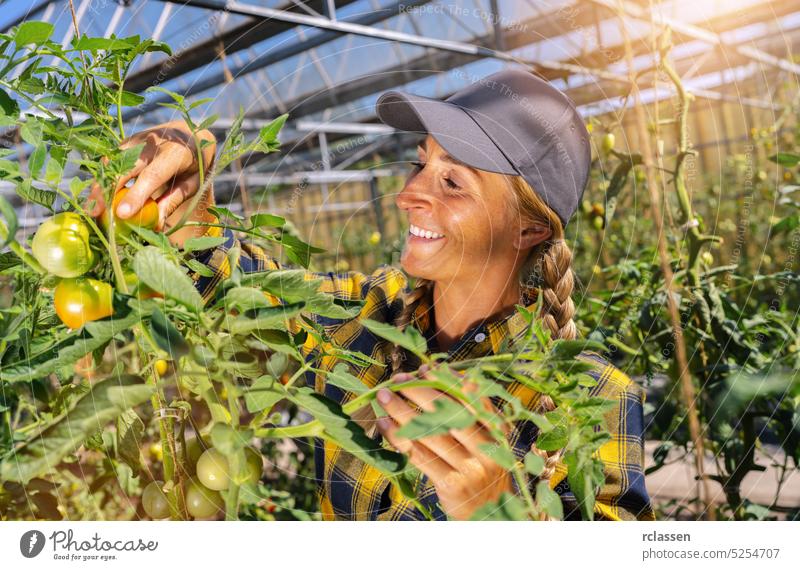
(349, 489)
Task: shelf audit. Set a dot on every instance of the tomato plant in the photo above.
(129, 302)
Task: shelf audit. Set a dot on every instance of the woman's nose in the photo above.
(414, 194)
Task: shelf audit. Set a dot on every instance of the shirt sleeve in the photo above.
(623, 495)
(350, 285)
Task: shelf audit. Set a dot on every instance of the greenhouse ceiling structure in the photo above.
(325, 62)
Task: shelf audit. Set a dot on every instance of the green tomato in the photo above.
(213, 469)
(608, 142)
(155, 501)
(61, 245)
(202, 502)
(193, 451)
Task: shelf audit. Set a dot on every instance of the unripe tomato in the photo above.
(147, 217)
(81, 300)
(608, 142)
(707, 257)
(156, 451)
(61, 245)
(213, 470)
(597, 222)
(202, 502)
(193, 451)
(375, 238)
(154, 501)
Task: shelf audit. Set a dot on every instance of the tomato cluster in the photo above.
(62, 247)
(211, 474)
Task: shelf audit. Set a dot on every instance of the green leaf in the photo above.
(268, 135)
(179, 99)
(8, 260)
(125, 161)
(534, 464)
(8, 105)
(549, 500)
(264, 393)
(36, 160)
(199, 268)
(221, 212)
(33, 33)
(8, 230)
(410, 339)
(27, 191)
(131, 99)
(267, 220)
(86, 43)
(167, 337)
(786, 225)
(268, 318)
(156, 271)
(107, 400)
(130, 430)
(500, 455)
(507, 508)
(786, 159)
(246, 298)
(203, 243)
(448, 415)
(341, 378)
(346, 433)
(553, 439)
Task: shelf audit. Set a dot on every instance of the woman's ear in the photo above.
(531, 234)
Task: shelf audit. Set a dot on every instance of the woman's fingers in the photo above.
(444, 446)
(182, 189)
(95, 200)
(420, 456)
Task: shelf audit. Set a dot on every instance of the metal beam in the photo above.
(198, 55)
(635, 11)
(267, 59)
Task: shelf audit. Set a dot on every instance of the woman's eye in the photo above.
(418, 165)
(452, 185)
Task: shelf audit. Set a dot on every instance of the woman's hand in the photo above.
(463, 476)
(168, 171)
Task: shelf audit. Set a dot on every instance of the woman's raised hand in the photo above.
(167, 171)
(463, 476)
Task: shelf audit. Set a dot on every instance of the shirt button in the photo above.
(480, 337)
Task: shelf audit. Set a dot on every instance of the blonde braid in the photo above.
(550, 265)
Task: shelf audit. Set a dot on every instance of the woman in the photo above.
(500, 172)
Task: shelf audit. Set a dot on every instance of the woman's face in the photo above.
(471, 216)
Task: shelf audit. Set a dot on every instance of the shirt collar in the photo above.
(485, 337)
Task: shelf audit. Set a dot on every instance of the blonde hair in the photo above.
(549, 265)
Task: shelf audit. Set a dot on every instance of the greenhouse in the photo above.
(259, 260)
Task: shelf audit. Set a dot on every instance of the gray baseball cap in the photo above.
(510, 122)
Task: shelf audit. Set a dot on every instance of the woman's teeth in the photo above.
(419, 232)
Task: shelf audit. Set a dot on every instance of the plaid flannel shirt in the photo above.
(348, 489)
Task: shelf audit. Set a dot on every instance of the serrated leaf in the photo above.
(130, 430)
(500, 455)
(267, 220)
(91, 413)
(203, 243)
(264, 393)
(268, 318)
(549, 500)
(167, 337)
(341, 378)
(30, 193)
(9, 224)
(410, 338)
(33, 32)
(448, 414)
(156, 271)
(553, 439)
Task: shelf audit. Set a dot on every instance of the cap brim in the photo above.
(449, 124)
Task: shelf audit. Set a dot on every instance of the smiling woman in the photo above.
(500, 172)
